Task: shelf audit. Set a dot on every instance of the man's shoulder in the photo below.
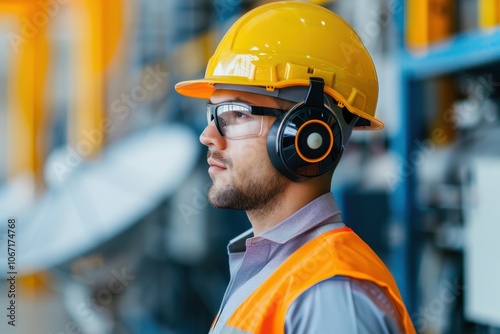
(352, 305)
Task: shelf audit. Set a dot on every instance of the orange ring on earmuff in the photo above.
(329, 148)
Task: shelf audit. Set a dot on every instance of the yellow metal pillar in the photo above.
(489, 13)
(98, 26)
(428, 21)
(26, 81)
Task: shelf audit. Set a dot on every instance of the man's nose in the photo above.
(211, 136)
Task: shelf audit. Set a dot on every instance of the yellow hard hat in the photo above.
(283, 44)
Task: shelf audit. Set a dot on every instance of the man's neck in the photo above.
(284, 205)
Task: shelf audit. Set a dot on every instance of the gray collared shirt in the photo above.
(338, 305)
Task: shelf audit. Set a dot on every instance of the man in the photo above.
(285, 88)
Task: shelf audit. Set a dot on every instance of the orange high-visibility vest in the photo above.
(336, 252)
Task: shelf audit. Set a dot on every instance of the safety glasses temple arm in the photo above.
(265, 111)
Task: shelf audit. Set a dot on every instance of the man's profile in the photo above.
(285, 88)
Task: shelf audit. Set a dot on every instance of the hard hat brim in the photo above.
(204, 88)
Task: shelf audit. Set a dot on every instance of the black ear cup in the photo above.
(305, 142)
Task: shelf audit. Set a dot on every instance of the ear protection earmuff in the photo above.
(307, 141)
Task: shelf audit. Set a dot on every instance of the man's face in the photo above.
(242, 174)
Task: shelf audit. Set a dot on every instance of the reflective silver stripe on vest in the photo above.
(232, 330)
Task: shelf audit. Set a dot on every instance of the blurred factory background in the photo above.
(101, 167)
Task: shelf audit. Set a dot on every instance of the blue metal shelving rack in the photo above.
(464, 51)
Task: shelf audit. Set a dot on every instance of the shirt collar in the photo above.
(321, 210)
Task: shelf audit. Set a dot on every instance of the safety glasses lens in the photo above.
(235, 120)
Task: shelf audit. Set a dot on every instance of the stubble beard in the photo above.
(255, 193)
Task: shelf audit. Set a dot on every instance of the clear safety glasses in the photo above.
(236, 120)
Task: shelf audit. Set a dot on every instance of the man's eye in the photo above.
(237, 117)
(238, 114)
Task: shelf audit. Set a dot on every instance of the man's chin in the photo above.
(213, 196)
(219, 198)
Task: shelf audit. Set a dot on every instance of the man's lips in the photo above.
(215, 165)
